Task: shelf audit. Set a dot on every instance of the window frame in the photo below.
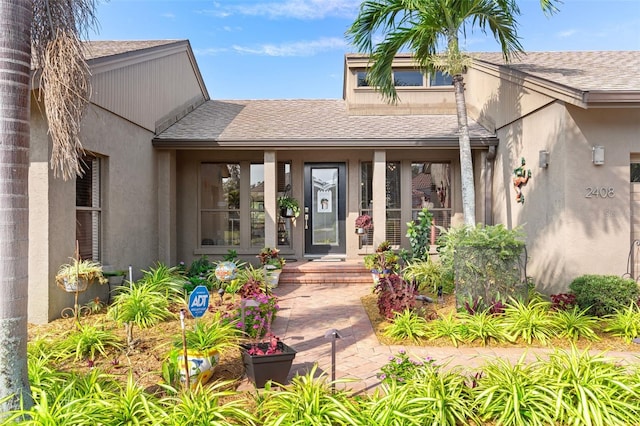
(95, 208)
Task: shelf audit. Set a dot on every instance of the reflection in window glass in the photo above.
(408, 78)
(256, 173)
(635, 172)
(88, 209)
(439, 78)
(362, 79)
(220, 204)
(431, 189)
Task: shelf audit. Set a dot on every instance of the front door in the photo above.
(324, 208)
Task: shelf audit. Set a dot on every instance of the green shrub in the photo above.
(419, 232)
(625, 323)
(604, 294)
(407, 325)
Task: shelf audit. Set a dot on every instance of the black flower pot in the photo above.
(262, 368)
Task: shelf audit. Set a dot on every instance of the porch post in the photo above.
(270, 204)
(378, 184)
(167, 244)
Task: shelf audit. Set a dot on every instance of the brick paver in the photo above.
(307, 312)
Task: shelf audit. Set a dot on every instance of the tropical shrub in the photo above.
(88, 341)
(407, 325)
(401, 368)
(530, 321)
(483, 326)
(166, 280)
(624, 323)
(485, 261)
(514, 394)
(419, 233)
(307, 400)
(428, 275)
(604, 294)
(562, 301)
(574, 324)
(394, 295)
(139, 305)
(448, 327)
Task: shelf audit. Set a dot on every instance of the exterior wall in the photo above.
(411, 100)
(568, 233)
(149, 90)
(129, 232)
(187, 190)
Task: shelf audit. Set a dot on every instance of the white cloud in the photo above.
(297, 9)
(300, 48)
(168, 15)
(567, 33)
(210, 51)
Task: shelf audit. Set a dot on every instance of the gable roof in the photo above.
(310, 123)
(590, 77)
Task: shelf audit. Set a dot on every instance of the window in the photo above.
(431, 188)
(439, 78)
(409, 78)
(284, 188)
(257, 205)
(393, 225)
(220, 204)
(635, 172)
(88, 209)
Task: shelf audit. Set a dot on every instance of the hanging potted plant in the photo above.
(77, 275)
(289, 206)
(363, 224)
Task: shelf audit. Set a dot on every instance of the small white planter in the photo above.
(272, 275)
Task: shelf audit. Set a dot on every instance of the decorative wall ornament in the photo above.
(521, 178)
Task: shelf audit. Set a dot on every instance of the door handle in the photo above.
(306, 217)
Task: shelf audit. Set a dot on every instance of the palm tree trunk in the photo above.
(466, 162)
(15, 68)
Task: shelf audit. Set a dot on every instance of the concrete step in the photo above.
(337, 272)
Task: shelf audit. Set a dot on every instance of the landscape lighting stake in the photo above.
(333, 335)
(184, 350)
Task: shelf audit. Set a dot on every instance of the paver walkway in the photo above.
(307, 312)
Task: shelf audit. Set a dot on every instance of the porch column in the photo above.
(270, 203)
(167, 207)
(379, 187)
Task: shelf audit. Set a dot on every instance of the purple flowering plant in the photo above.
(401, 368)
(257, 319)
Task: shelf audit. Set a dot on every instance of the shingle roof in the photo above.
(104, 48)
(308, 120)
(584, 70)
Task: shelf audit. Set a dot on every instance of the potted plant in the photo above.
(289, 206)
(269, 360)
(204, 343)
(363, 223)
(77, 275)
(383, 262)
(272, 264)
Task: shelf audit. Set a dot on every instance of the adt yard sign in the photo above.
(199, 301)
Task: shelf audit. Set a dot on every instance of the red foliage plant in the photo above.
(394, 295)
(563, 301)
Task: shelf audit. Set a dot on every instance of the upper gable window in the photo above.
(409, 78)
(439, 78)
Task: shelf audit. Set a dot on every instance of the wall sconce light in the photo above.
(543, 159)
(598, 155)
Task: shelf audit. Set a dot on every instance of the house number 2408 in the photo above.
(599, 192)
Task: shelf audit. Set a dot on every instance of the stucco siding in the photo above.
(129, 234)
(495, 102)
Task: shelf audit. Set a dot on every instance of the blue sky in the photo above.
(294, 49)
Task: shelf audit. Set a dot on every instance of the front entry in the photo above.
(324, 214)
